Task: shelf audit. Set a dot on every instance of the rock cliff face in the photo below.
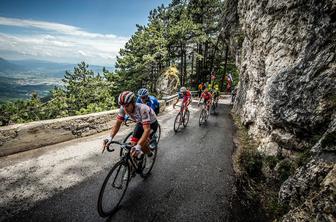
(287, 94)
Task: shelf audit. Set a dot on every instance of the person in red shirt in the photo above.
(207, 97)
(185, 95)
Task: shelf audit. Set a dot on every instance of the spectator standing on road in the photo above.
(200, 88)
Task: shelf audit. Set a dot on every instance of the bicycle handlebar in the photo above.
(123, 145)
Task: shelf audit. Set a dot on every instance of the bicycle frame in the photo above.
(182, 108)
(204, 106)
(126, 156)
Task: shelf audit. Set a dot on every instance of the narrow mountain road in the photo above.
(192, 179)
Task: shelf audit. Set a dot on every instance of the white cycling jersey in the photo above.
(142, 114)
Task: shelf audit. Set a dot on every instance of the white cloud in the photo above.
(61, 43)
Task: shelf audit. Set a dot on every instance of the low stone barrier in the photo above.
(21, 137)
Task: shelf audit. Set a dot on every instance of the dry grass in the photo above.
(256, 192)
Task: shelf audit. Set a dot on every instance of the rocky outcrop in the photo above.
(311, 192)
(287, 94)
(167, 84)
(287, 90)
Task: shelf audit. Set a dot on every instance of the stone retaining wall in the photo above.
(21, 137)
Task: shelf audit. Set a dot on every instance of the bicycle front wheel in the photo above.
(113, 189)
(177, 122)
(186, 118)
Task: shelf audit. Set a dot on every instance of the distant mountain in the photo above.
(7, 67)
(39, 68)
(19, 78)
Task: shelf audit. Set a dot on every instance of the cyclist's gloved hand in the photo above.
(136, 151)
(108, 140)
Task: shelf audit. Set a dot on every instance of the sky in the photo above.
(70, 31)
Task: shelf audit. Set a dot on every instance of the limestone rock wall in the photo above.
(287, 94)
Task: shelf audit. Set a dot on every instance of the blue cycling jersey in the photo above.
(152, 102)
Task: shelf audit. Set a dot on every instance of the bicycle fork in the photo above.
(123, 173)
(182, 118)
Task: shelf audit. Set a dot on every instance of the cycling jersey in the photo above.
(142, 114)
(185, 97)
(206, 96)
(215, 93)
(152, 102)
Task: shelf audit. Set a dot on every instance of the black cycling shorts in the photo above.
(138, 131)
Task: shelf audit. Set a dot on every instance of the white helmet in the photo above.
(126, 97)
(183, 89)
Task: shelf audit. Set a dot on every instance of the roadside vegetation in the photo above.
(187, 35)
(258, 178)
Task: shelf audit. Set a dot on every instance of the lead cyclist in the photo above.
(146, 124)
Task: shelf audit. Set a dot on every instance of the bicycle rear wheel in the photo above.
(158, 134)
(213, 108)
(202, 117)
(113, 189)
(148, 163)
(186, 118)
(177, 122)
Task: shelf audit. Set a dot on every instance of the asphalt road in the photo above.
(192, 179)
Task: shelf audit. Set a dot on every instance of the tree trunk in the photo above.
(198, 65)
(181, 65)
(225, 64)
(192, 67)
(214, 54)
(205, 65)
(185, 65)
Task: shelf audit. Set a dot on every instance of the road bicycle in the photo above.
(204, 114)
(214, 105)
(116, 182)
(154, 137)
(182, 118)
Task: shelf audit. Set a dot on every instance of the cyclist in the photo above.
(185, 95)
(146, 123)
(206, 95)
(215, 93)
(151, 101)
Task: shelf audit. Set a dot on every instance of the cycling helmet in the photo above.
(143, 92)
(126, 97)
(183, 89)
